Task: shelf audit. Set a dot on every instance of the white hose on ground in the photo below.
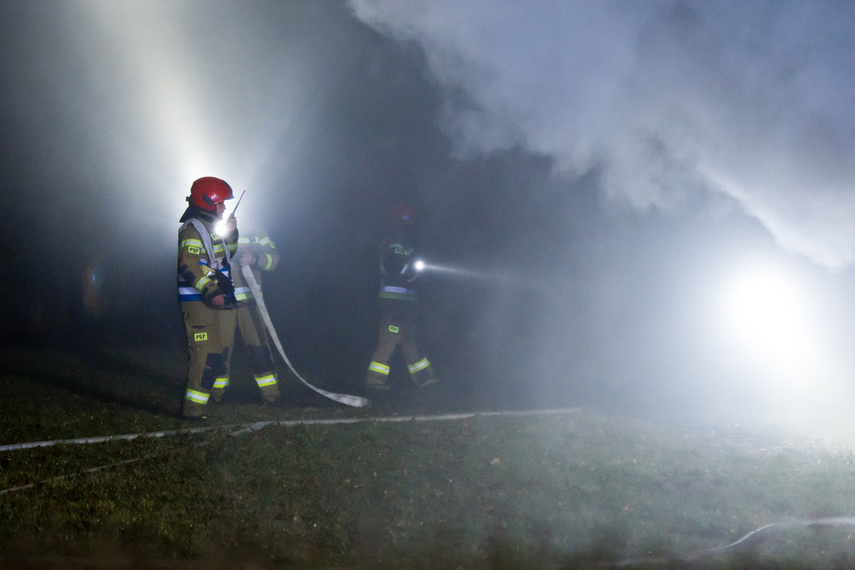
(255, 426)
(347, 399)
(252, 427)
(747, 541)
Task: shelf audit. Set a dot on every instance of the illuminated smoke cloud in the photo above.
(750, 100)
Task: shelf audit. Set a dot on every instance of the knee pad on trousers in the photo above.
(215, 366)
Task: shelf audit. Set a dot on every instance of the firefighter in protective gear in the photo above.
(205, 289)
(398, 326)
(256, 250)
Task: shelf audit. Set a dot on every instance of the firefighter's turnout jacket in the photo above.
(398, 322)
(250, 324)
(266, 259)
(203, 273)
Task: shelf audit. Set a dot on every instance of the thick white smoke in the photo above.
(749, 99)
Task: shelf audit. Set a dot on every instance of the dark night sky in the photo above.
(595, 177)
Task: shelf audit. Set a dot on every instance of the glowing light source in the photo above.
(777, 346)
(419, 265)
(765, 311)
(220, 228)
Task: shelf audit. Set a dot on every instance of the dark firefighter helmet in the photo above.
(209, 191)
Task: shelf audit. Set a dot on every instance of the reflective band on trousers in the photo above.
(379, 368)
(196, 396)
(266, 380)
(420, 365)
(221, 382)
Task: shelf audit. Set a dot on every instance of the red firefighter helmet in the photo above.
(209, 191)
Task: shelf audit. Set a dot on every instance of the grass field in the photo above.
(567, 489)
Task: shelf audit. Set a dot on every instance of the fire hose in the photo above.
(347, 399)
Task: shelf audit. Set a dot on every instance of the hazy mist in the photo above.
(590, 179)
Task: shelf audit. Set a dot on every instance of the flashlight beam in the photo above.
(503, 278)
(422, 266)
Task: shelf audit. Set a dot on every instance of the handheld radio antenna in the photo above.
(232, 215)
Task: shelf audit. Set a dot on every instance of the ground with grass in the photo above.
(570, 488)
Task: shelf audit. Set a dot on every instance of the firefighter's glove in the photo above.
(223, 283)
(247, 257)
(221, 301)
(222, 295)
